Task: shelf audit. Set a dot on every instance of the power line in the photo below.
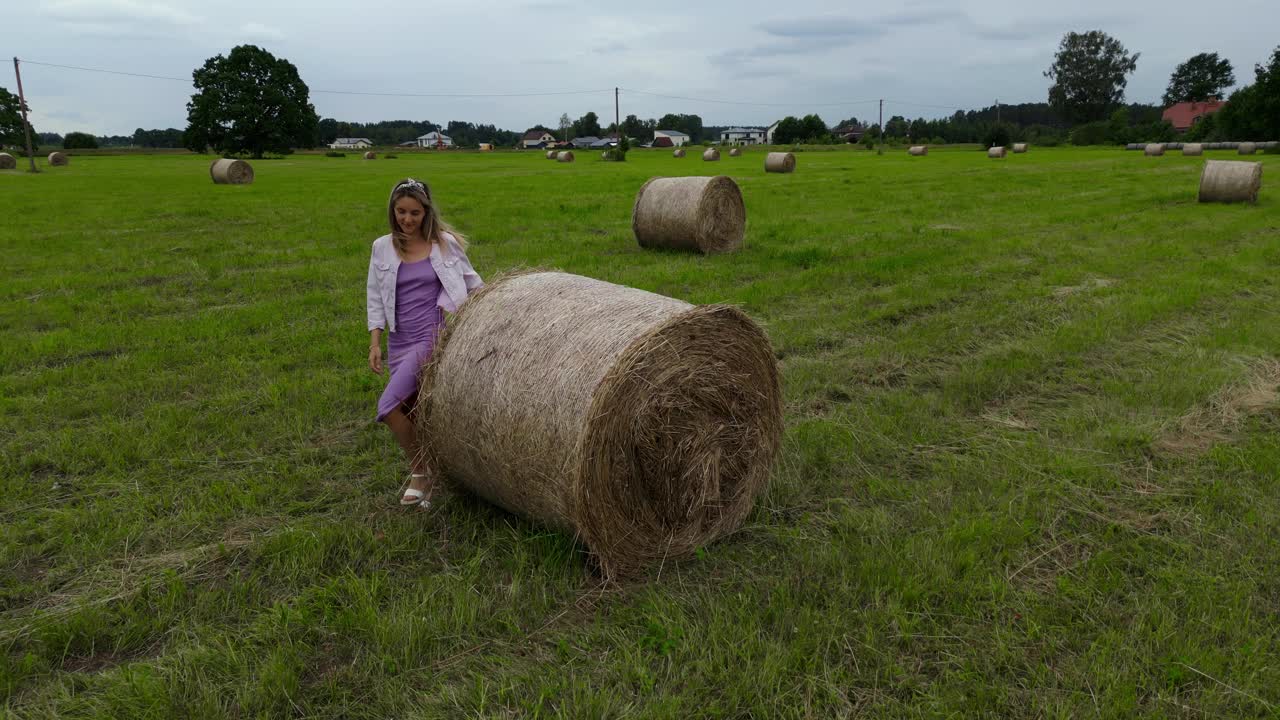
(741, 102)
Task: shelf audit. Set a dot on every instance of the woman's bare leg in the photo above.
(401, 426)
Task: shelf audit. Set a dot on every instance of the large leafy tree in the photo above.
(1253, 111)
(1089, 74)
(250, 102)
(11, 131)
(1202, 77)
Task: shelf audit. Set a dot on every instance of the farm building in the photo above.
(1185, 114)
(743, 136)
(537, 139)
(350, 143)
(581, 143)
(674, 138)
(434, 139)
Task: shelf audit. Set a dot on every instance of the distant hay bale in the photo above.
(486, 147)
(780, 162)
(1192, 149)
(996, 152)
(58, 159)
(1153, 150)
(1019, 148)
(1247, 148)
(1229, 181)
(551, 154)
(1172, 146)
(690, 213)
(640, 424)
(564, 156)
(736, 152)
(7, 161)
(1133, 146)
(918, 150)
(370, 155)
(678, 152)
(225, 171)
(1230, 146)
(710, 154)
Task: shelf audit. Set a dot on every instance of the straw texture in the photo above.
(735, 152)
(58, 159)
(1229, 181)
(996, 152)
(678, 152)
(371, 155)
(918, 150)
(1153, 150)
(642, 424)
(780, 162)
(711, 154)
(1192, 149)
(690, 213)
(231, 172)
(7, 161)
(1019, 148)
(551, 154)
(564, 156)
(1247, 148)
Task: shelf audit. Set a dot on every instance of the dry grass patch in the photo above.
(1219, 419)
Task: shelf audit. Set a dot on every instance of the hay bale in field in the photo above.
(1133, 146)
(564, 156)
(551, 154)
(779, 162)
(486, 147)
(917, 150)
(1230, 181)
(641, 424)
(710, 155)
(371, 155)
(690, 213)
(1247, 148)
(7, 161)
(1153, 150)
(736, 152)
(996, 152)
(678, 153)
(1230, 145)
(1192, 149)
(225, 171)
(1019, 148)
(58, 159)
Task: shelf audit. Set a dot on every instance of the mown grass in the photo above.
(1030, 470)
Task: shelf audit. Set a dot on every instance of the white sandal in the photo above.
(412, 496)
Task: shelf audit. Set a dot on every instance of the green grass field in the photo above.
(1030, 468)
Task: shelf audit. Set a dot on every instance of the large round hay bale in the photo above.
(996, 152)
(918, 150)
(1019, 148)
(641, 424)
(1153, 150)
(1192, 149)
(7, 161)
(551, 154)
(1230, 181)
(1247, 148)
(780, 162)
(225, 171)
(736, 152)
(1133, 146)
(690, 213)
(371, 155)
(58, 159)
(564, 156)
(678, 152)
(710, 154)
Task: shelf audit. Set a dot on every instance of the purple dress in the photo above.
(418, 321)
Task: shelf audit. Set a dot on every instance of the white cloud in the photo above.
(258, 30)
(119, 12)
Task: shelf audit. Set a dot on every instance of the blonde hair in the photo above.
(433, 226)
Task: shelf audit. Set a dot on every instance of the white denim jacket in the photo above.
(452, 267)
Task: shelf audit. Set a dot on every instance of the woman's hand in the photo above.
(375, 359)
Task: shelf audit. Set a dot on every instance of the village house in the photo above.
(537, 139)
(744, 136)
(1183, 115)
(434, 139)
(669, 138)
(350, 144)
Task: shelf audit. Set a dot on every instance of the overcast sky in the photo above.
(925, 58)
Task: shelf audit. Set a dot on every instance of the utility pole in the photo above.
(617, 123)
(26, 126)
(880, 147)
(997, 111)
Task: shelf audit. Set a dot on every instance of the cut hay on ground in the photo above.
(1019, 148)
(7, 161)
(231, 172)
(1192, 149)
(1230, 181)
(690, 213)
(1247, 148)
(996, 152)
(736, 152)
(1153, 150)
(551, 154)
(564, 156)
(371, 155)
(1220, 418)
(678, 152)
(710, 154)
(779, 162)
(918, 150)
(58, 159)
(641, 424)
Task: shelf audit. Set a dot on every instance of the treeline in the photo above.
(394, 132)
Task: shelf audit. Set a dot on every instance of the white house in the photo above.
(434, 139)
(743, 136)
(676, 137)
(537, 138)
(350, 143)
(768, 134)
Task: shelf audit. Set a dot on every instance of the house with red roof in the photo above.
(1185, 114)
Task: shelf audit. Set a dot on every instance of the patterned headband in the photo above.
(412, 185)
